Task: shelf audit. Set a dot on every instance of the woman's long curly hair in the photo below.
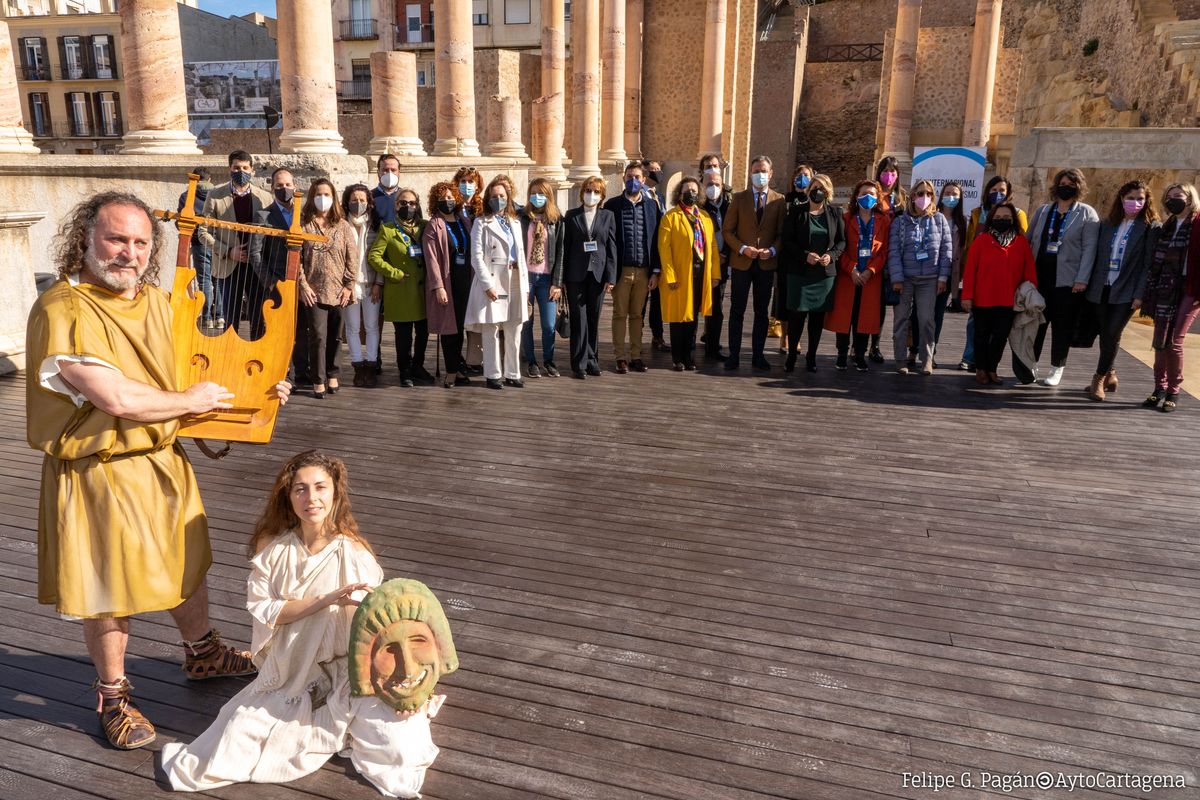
(438, 192)
(278, 517)
(75, 234)
(475, 204)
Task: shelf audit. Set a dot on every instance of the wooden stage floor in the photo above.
(727, 587)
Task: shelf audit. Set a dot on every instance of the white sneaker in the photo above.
(1054, 377)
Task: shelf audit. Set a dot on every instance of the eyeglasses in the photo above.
(408, 203)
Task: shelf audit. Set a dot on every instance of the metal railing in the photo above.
(357, 89)
(847, 52)
(359, 29)
(82, 130)
(41, 73)
(78, 73)
(402, 34)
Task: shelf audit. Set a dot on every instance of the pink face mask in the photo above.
(1133, 206)
(888, 179)
(921, 202)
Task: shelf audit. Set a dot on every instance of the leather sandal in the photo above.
(208, 658)
(124, 725)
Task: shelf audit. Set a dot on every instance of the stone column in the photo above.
(13, 136)
(306, 72)
(155, 109)
(585, 88)
(394, 104)
(549, 110)
(977, 122)
(504, 135)
(454, 45)
(20, 284)
(898, 125)
(635, 14)
(612, 115)
(712, 81)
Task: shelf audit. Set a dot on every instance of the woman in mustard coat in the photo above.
(687, 249)
(397, 255)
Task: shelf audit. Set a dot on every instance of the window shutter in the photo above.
(117, 112)
(72, 123)
(112, 56)
(62, 55)
(21, 48)
(87, 44)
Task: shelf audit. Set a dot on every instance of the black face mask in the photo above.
(817, 195)
(283, 195)
(688, 198)
(1176, 205)
(656, 176)
(406, 213)
(239, 178)
(447, 206)
(1002, 226)
(1065, 192)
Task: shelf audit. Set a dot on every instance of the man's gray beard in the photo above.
(98, 270)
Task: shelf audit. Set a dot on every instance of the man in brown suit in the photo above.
(752, 228)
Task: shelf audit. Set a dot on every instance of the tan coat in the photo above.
(329, 267)
(742, 227)
(219, 205)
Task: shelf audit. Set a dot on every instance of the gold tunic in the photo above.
(121, 529)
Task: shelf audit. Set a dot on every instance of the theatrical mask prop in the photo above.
(400, 645)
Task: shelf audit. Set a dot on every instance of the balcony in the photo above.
(406, 39)
(355, 90)
(41, 73)
(84, 130)
(359, 29)
(78, 73)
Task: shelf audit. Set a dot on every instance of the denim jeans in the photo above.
(214, 305)
(547, 310)
(969, 351)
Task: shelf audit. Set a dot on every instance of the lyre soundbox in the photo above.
(247, 359)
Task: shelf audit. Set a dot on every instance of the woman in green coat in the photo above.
(397, 256)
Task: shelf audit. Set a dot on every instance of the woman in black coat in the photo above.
(589, 272)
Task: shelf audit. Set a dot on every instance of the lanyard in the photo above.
(866, 232)
(404, 237)
(1062, 226)
(1118, 250)
(922, 231)
(450, 229)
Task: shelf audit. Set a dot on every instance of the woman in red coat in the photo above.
(998, 262)
(858, 290)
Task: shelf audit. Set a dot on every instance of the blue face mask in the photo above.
(633, 186)
(867, 201)
(802, 181)
(950, 202)
(467, 189)
(498, 204)
(537, 200)
(996, 198)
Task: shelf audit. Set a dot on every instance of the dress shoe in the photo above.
(732, 364)
(810, 364)
(578, 374)
(714, 355)
(494, 383)
(516, 383)
(474, 369)
(622, 366)
(876, 355)
(462, 380)
(659, 346)
(593, 371)
(761, 364)
(677, 366)
(319, 393)
(690, 366)
(790, 364)
(637, 365)
(333, 386)
(860, 363)
(551, 370)
(1155, 398)
(1169, 402)
(842, 362)
(422, 375)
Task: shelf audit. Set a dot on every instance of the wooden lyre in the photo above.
(248, 369)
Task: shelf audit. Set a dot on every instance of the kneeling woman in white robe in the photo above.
(302, 592)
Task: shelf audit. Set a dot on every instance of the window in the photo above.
(79, 112)
(34, 65)
(360, 69)
(39, 113)
(566, 9)
(479, 12)
(27, 8)
(516, 12)
(412, 16)
(70, 51)
(108, 113)
(103, 63)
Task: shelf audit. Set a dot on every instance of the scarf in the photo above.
(698, 243)
(1003, 239)
(538, 254)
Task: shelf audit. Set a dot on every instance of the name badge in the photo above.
(1114, 264)
(589, 247)
(460, 259)
(864, 252)
(1052, 247)
(415, 251)
(922, 255)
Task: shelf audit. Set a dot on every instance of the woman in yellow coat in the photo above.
(687, 248)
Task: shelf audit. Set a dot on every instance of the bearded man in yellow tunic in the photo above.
(121, 529)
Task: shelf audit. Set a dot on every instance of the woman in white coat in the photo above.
(497, 301)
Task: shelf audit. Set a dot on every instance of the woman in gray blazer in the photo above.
(1116, 280)
(1062, 234)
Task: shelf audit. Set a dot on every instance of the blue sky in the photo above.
(229, 8)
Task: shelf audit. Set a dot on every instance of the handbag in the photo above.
(562, 325)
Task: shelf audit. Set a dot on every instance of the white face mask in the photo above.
(712, 192)
(591, 199)
(388, 180)
(323, 203)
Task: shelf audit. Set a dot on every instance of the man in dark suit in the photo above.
(268, 260)
(589, 272)
(752, 228)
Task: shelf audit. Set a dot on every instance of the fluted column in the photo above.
(635, 15)
(155, 108)
(898, 125)
(306, 74)
(549, 110)
(612, 113)
(585, 88)
(13, 136)
(977, 122)
(712, 81)
(394, 104)
(454, 45)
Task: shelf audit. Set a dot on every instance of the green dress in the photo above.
(809, 288)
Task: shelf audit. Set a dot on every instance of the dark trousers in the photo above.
(452, 346)
(242, 285)
(318, 343)
(584, 299)
(796, 320)
(453, 343)
(860, 339)
(1113, 319)
(411, 340)
(656, 321)
(714, 321)
(761, 281)
(992, 326)
(1062, 313)
(683, 334)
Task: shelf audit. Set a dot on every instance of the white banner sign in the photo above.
(964, 165)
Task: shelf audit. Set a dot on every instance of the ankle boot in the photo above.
(1095, 389)
(1110, 380)
(359, 377)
